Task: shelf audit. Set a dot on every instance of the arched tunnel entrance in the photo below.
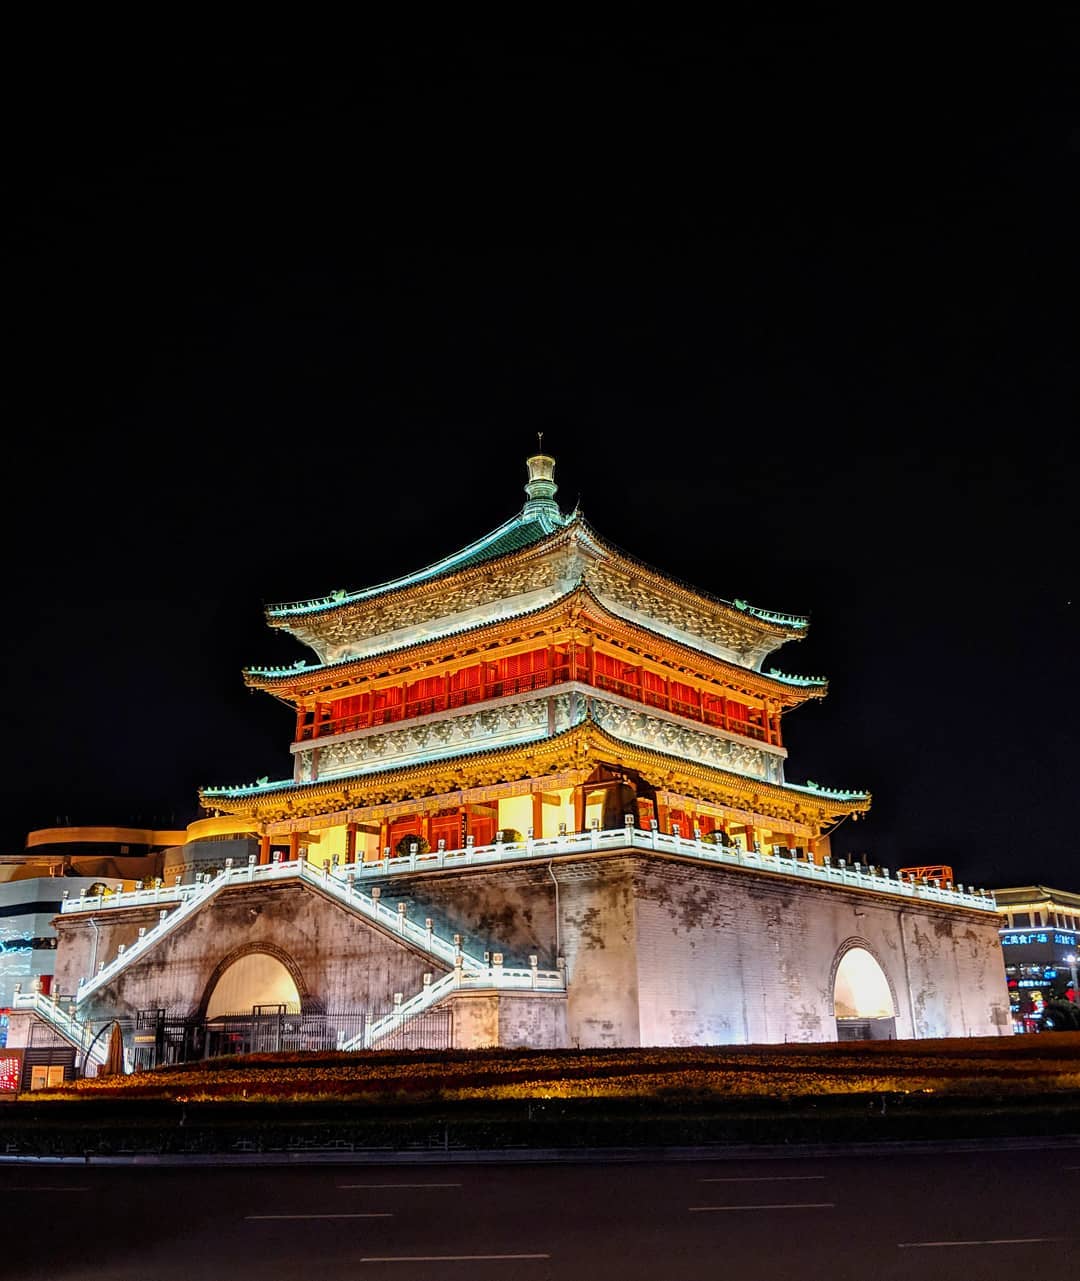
(862, 999)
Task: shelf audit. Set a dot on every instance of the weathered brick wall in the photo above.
(344, 963)
(658, 951)
(483, 1019)
(726, 955)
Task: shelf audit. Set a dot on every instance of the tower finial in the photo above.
(540, 441)
(541, 488)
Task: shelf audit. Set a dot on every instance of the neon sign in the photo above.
(9, 1075)
(1008, 940)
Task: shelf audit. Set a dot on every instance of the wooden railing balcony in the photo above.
(562, 674)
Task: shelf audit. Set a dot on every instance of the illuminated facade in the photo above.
(1040, 943)
(539, 679)
(571, 768)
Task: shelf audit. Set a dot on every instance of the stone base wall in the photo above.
(658, 950)
(509, 1019)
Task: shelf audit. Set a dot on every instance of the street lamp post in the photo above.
(1071, 961)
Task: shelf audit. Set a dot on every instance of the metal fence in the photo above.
(157, 1037)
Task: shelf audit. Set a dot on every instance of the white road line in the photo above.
(769, 1178)
(784, 1205)
(382, 1215)
(350, 1187)
(444, 1258)
(932, 1245)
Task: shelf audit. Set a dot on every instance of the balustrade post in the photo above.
(594, 834)
(560, 965)
(534, 961)
(401, 908)
(497, 968)
(654, 827)
(429, 930)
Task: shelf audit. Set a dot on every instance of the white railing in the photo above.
(543, 848)
(343, 889)
(489, 977)
(79, 1034)
(689, 847)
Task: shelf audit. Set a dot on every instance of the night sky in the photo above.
(790, 303)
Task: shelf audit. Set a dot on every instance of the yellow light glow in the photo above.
(862, 990)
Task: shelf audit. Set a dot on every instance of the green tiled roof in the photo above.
(787, 678)
(520, 532)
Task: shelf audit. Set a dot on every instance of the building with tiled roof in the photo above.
(556, 755)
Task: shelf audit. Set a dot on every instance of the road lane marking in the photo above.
(933, 1245)
(768, 1178)
(349, 1187)
(444, 1258)
(783, 1205)
(385, 1214)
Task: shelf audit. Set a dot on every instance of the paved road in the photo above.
(984, 1216)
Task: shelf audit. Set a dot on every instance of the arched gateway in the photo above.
(256, 978)
(862, 998)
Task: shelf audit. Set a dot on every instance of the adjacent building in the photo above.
(1040, 943)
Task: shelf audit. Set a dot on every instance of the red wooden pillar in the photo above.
(425, 828)
(384, 836)
(264, 848)
(538, 815)
(579, 808)
(350, 843)
(294, 846)
(299, 723)
(663, 812)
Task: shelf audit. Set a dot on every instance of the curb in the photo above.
(567, 1156)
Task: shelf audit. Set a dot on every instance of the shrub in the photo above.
(402, 850)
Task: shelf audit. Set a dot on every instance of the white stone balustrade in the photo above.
(566, 843)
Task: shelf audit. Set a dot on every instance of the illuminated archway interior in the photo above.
(862, 990)
(255, 979)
